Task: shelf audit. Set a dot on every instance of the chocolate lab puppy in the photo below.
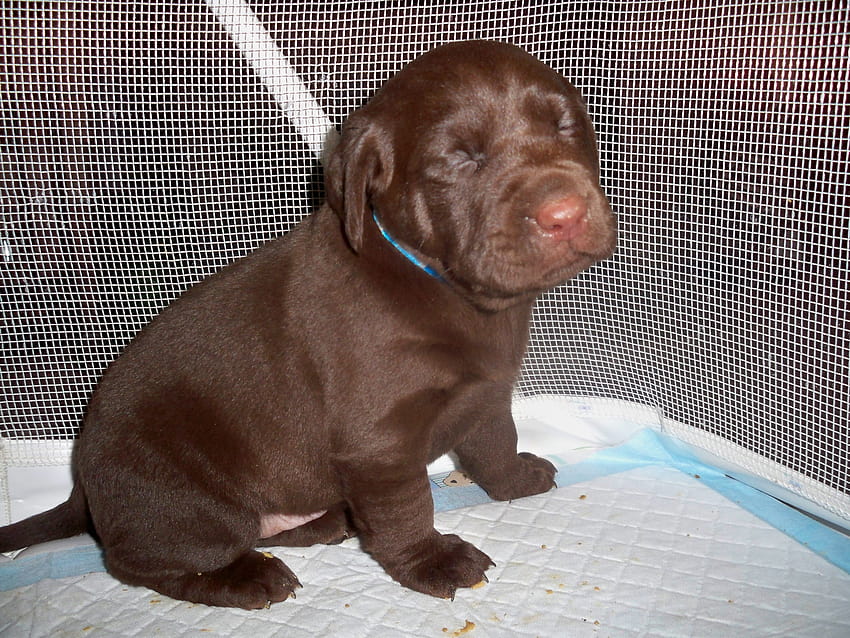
(296, 396)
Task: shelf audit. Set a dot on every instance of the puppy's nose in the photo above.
(562, 218)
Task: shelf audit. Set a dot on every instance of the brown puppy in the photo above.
(303, 389)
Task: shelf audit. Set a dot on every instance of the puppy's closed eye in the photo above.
(569, 126)
(468, 161)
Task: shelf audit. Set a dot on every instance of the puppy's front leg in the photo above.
(394, 515)
(489, 454)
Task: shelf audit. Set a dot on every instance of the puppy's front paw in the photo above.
(441, 565)
(528, 475)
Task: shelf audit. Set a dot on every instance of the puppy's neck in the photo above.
(480, 303)
(405, 252)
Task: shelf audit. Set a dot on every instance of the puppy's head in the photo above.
(482, 161)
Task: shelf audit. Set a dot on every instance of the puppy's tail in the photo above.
(68, 519)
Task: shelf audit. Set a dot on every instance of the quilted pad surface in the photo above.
(647, 552)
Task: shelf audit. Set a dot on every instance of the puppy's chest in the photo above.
(459, 362)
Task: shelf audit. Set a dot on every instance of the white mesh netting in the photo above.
(142, 149)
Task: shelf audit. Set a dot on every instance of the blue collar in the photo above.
(410, 256)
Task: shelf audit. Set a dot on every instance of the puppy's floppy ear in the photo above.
(359, 168)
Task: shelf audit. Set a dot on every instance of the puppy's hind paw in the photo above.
(253, 581)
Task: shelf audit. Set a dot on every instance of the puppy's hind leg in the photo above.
(252, 581)
(197, 547)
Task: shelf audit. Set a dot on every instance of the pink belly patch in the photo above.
(272, 524)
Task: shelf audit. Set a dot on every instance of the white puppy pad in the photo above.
(651, 551)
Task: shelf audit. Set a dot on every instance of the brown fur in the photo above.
(324, 371)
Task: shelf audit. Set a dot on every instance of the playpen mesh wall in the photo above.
(146, 144)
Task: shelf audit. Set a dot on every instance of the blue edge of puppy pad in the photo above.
(646, 448)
